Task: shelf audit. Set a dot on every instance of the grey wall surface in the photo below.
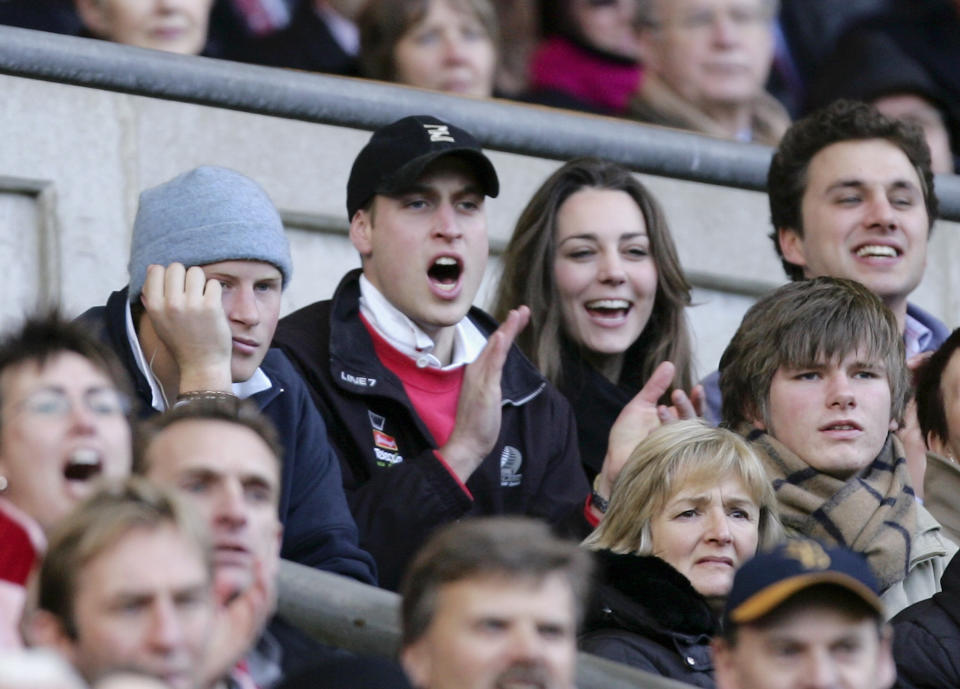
(73, 161)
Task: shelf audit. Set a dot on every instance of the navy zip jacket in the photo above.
(397, 488)
(318, 529)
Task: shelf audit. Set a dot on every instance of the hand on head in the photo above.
(186, 312)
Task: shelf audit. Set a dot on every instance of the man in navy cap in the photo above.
(804, 617)
(433, 412)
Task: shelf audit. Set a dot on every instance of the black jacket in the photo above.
(317, 527)
(399, 492)
(644, 613)
(595, 400)
(926, 640)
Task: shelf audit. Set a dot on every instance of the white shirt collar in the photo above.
(258, 382)
(409, 338)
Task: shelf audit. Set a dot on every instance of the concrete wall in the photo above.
(73, 161)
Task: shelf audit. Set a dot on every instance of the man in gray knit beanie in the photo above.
(208, 264)
(207, 237)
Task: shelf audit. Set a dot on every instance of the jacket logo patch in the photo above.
(381, 439)
(385, 458)
(385, 450)
(357, 380)
(510, 461)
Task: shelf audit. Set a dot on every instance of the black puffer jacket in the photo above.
(644, 613)
(926, 640)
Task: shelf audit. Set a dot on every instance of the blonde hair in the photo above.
(672, 456)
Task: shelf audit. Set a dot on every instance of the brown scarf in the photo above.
(873, 512)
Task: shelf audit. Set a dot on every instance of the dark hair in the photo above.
(928, 377)
(42, 338)
(528, 276)
(802, 324)
(97, 524)
(842, 120)
(382, 23)
(516, 547)
(243, 413)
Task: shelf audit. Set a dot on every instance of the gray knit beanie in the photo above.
(206, 215)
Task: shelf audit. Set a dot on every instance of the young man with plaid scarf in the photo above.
(816, 378)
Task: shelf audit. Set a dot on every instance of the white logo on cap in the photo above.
(439, 132)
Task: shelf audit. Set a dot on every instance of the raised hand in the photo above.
(186, 311)
(238, 620)
(477, 425)
(641, 415)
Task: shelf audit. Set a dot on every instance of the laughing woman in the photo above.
(593, 258)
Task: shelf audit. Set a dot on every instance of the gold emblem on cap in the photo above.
(810, 554)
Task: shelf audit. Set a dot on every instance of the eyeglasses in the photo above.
(56, 403)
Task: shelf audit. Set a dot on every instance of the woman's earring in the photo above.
(3, 483)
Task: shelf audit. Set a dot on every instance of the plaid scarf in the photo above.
(873, 513)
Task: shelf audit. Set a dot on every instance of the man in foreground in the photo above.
(127, 584)
(493, 602)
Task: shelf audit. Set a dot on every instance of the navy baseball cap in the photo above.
(765, 582)
(397, 154)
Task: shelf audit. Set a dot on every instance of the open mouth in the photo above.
(842, 426)
(608, 308)
(445, 272)
(83, 464)
(877, 251)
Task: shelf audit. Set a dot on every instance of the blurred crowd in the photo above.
(738, 69)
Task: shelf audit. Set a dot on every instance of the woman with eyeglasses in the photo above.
(64, 425)
(588, 58)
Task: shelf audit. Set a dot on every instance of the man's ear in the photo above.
(791, 246)
(934, 444)
(361, 228)
(43, 628)
(94, 16)
(416, 662)
(724, 668)
(886, 666)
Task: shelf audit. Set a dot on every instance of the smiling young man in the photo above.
(815, 377)
(208, 263)
(435, 416)
(851, 196)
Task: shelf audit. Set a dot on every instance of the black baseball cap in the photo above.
(765, 582)
(397, 154)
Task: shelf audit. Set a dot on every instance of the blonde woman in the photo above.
(689, 507)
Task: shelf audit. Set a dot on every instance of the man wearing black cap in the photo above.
(433, 413)
(804, 617)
